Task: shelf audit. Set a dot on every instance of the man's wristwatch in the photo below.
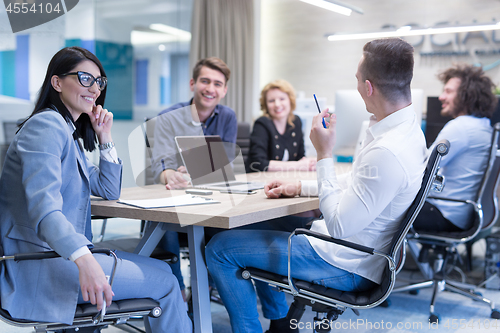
(107, 145)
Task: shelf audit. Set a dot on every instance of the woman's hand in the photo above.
(307, 164)
(102, 121)
(93, 282)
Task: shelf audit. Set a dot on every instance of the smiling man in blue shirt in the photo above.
(202, 115)
(469, 99)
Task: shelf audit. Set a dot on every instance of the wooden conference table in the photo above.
(234, 210)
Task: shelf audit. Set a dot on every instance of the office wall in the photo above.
(294, 46)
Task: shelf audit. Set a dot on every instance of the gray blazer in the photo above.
(45, 190)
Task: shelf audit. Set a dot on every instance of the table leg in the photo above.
(152, 236)
(199, 280)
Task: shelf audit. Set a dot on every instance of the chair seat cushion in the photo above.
(362, 298)
(125, 305)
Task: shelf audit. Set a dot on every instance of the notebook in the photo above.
(205, 159)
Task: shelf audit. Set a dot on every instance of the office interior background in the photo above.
(148, 48)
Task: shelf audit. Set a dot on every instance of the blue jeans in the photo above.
(170, 241)
(138, 277)
(228, 252)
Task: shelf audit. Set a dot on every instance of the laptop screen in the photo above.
(205, 158)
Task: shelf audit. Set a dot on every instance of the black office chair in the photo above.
(87, 318)
(243, 145)
(334, 302)
(444, 244)
(489, 200)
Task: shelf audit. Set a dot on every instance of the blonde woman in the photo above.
(276, 142)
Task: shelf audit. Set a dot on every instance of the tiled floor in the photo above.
(407, 311)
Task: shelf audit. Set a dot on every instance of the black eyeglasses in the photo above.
(87, 79)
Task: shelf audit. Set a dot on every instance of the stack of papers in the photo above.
(181, 200)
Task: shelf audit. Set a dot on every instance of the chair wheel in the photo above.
(385, 304)
(414, 292)
(495, 314)
(434, 318)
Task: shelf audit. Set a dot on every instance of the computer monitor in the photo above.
(351, 113)
(306, 109)
(435, 121)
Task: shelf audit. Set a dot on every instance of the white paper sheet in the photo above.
(180, 200)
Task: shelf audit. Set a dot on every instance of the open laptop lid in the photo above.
(205, 159)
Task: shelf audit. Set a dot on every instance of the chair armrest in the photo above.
(330, 239)
(450, 199)
(46, 255)
(99, 317)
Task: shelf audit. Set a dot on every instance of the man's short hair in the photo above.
(475, 94)
(212, 63)
(388, 65)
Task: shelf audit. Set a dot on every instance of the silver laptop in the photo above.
(207, 162)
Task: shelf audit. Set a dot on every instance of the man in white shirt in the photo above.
(469, 99)
(365, 206)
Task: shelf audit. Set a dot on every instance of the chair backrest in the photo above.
(10, 129)
(440, 150)
(148, 131)
(243, 145)
(487, 194)
(379, 293)
(486, 204)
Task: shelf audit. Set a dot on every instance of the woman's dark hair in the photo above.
(64, 62)
(475, 94)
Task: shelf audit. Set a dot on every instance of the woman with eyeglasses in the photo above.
(45, 190)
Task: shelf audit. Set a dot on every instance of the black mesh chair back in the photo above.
(487, 195)
(243, 146)
(444, 244)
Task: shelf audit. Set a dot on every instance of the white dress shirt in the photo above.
(367, 205)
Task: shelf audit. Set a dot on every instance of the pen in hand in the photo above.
(319, 110)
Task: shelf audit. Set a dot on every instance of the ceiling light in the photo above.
(408, 31)
(170, 30)
(334, 6)
(158, 34)
(145, 38)
(161, 47)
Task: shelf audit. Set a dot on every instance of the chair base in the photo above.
(439, 285)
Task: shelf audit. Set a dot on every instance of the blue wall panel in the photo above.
(141, 82)
(165, 84)
(117, 60)
(22, 67)
(86, 44)
(8, 70)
